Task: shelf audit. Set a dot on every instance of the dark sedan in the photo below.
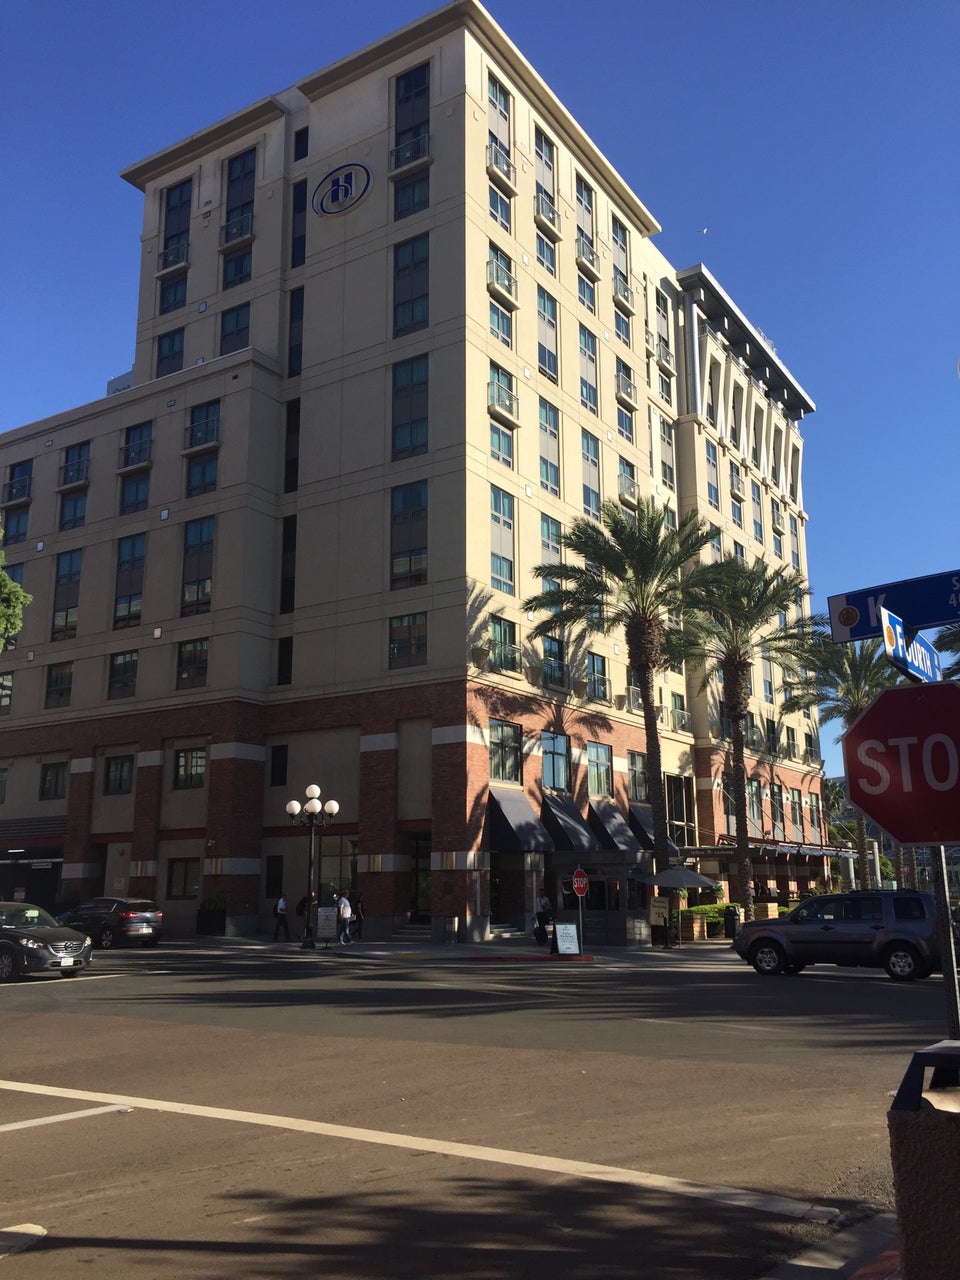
(112, 922)
(31, 941)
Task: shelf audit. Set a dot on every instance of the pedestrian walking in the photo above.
(280, 919)
(358, 918)
(344, 913)
(544, 914)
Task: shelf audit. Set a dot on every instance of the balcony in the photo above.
(598, 687)
(237, 231)
(651, 340)
(736, 485)
(627, 391)
(416, 151)
(588, 260)
(177, 255)
(74, 474)
(628, 492)
(753, 739)
(501, 168)
(505, 657)
(680, 721)
(665, 356)
(17, 490)
(501, 283)
(810, 756)
(135, 455)
(503, 404)
(201, 435)
(556, 673)
(634, 700)
(623, 295)
(546, 215)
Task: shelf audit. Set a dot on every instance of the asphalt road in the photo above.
(200, 1113)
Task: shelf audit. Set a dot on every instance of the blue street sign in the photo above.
(919, 660)
(921, 602)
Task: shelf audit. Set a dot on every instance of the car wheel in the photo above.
(767, 958)
(902, 962)
(106, 939)
(792, 967)
(8, 965)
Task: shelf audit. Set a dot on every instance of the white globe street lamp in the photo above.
(311, 815)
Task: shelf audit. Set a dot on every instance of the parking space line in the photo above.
(761, 1203)
(63, 1115)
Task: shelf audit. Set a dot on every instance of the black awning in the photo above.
(570, 833)
(641, 822)
(611, 828)
(513, 826)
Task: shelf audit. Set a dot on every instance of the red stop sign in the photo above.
(902, 760)
(581, 882)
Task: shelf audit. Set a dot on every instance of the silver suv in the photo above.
(887, 929)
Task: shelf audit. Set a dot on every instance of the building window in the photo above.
(501, 324)
(555, 757)
(501, 444)
(237, 268)
(285, 660)
(118, 775)
(587, 293)
(53, 781)
(176, 224)
(598, 686)
(814, 811)
(411, 195)
(411, 116)
(794, 542)
(590, 454)
(549, 538)
(501, 540)
(235, 329)
(295, 334)
(301, 143)
(169, 353)
(667, 472)
(173, 294)
(128, 586)
(15, 526)
(201, 474)
(757, 501)
(500, 208)
(192, 664)
(546, 254)
(204, 425)
(137, 445)
(288, 565)
(408, 535)
(599, 769)
(713, 478)
(197, 566)
(298, 224)
(408, 640)
(625, 423)
(241, 183)
(411, 285)
(547, 334)
(134, 493)
(59, 684)
(66, 595)
(506, 755)
(183, 878)
(410, 399)
(291, 446)
(6, 692)
(549, 447)
(122, 674)
(588, 370)
(637, 777)
(279, 756)
(504, 651)
(189, 768)
(621, 327)
(73, 510)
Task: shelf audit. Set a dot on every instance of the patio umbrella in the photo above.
(680, 877)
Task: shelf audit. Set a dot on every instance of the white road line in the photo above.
(63, 1115)
(779, 1205)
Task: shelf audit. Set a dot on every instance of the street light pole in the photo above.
(311, 815)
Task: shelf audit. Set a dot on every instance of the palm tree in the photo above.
(635, 573)
(843, 679)
(738, 607)
(948, 641)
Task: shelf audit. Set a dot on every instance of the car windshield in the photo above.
(22, 915)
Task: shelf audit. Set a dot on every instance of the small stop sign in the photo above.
(581, 882)
(902, 760)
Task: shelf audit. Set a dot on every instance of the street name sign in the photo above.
(918, 660)
(902, 761)
(933, 601)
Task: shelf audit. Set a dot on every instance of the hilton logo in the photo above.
(341, 189)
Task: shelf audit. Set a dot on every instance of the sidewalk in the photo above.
(866, 1251)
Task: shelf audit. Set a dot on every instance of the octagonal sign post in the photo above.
(902, 761)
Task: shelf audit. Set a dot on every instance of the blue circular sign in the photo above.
(341, 189)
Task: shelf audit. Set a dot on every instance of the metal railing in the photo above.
(504, 657)
(237, 229)
(174, 256)
(556, 672)
(18, 490)
(500, 397)
(546, 210)
(500, 277)
(598, 687)
(627, 388)
(76, 472)
(499, 160)
(586, 253)
(410, 152)
(198, 434)
(622, 292)
(136, 454)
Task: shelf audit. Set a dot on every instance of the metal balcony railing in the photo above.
(176, 255)
(17, 490)
(500, 164)
(76, 472)
(556, 673)
(546, 212)
(498, 277)
(504, 657)
(237, 229)
(502, 398)
(136, 454)
(416, 149)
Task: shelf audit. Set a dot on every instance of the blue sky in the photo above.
(816, 140)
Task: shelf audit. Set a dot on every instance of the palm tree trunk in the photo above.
(863, 865)
(739, 787)
(898, 866)
(914, 869)
(655, 792)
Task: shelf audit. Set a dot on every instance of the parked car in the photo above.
(111, 922)
(31, 941)
(891, 929)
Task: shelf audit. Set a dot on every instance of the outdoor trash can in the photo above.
(731, 921)
(924, 1127)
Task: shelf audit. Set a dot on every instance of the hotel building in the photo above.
(398, 326)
